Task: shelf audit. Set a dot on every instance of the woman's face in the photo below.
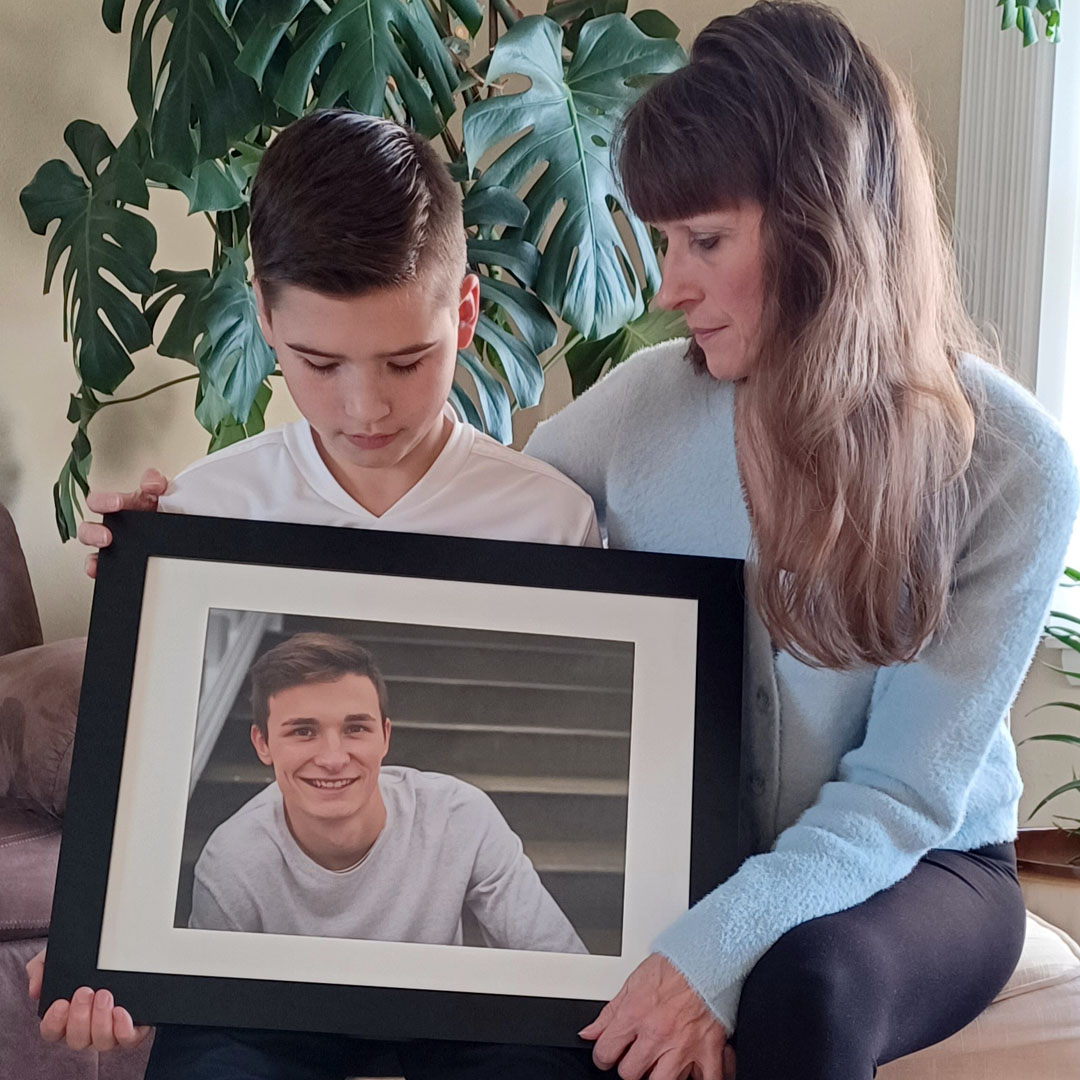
(713, 275)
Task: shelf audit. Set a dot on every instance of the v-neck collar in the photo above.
(300, 442)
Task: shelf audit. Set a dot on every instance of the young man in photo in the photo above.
(341, 846)
(361, 282)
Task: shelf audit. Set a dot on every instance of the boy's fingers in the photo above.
(91, 565)
(93, 534)
(35, 968)
(127, 1034)
(78, 1018)
(54, 1023)
(101, 1022)
(153, 482)
(106, 502)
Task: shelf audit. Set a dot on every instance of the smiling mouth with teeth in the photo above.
(329, 785)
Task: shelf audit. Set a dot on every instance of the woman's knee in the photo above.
(815, 979)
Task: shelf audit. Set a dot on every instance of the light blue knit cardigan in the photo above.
(848, 777)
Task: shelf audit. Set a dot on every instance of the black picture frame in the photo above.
(186, 543)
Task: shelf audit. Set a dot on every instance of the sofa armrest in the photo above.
(20, 627)
(39, 701)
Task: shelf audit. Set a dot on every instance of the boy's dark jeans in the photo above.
(191, 1053)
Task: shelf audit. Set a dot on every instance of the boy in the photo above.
(358, 248)
(359, 850)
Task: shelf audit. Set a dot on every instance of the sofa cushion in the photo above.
(29, 847)
(1031, 1031)
(39, 699)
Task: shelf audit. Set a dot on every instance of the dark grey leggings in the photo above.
(831, 1000)
(838, 996)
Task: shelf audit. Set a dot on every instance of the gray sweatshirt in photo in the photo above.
(445, 847)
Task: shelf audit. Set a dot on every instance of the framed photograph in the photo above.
(391, 785)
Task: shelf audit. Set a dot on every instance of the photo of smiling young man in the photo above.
(341, 845)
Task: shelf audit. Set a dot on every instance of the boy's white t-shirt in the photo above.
(475, 487)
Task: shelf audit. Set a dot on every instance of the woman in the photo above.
(905, 509)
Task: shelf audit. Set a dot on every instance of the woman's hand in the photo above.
(657, 1026)
(89, 1021)
(94, 534)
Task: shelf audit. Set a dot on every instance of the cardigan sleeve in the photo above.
(578, 441)
(931, 727)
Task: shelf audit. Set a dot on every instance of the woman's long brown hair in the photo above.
(853, 429)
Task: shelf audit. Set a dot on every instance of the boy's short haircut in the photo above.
(309, 658)
(344, 203)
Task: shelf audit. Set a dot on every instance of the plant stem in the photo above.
(571, 339)
(506, 10)
(147, 393)
(217, 240)
(322, 5)
(451, 145)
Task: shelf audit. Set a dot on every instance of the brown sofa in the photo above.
(39, 693)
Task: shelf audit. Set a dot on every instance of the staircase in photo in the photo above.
(540, 723)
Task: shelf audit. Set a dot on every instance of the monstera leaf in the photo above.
(233, 357)
(226, 429)
(188, 323)
(272, 20)
(74, 476)
(100, 236)
(515, 356)
(494, 402)
(588, 360)
(199, 101)
(1021, 14)
(569, 119)
(365, 43)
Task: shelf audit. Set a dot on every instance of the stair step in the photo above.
(454, 651)
(508, 729)
(548, 785)
(575, 857)
(507, 684)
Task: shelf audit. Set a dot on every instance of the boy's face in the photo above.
(326, 743)
(371, 373)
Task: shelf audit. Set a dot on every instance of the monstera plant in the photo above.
(211, 81)
(525, 118)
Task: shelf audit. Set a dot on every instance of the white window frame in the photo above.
(1018, 155)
